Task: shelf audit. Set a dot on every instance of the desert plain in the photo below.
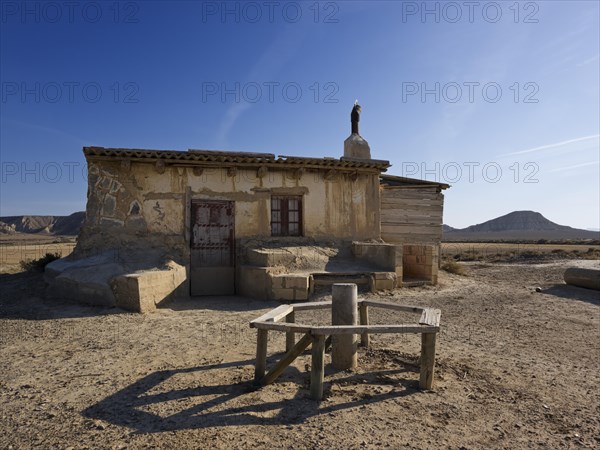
(516, 367)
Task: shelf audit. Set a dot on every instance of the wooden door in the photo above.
(212, 266)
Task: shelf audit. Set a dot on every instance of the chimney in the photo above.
(355, 146)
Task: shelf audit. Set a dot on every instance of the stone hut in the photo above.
(163, 223)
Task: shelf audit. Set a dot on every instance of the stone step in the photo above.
(327, 279)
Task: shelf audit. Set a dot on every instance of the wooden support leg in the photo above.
(290, 336)
(328, 343)
(364, 320)
(317, 370)
(287, 359)
(261, 355)
(427, 360)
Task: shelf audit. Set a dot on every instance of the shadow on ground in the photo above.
(235, 404)
(22, 296)
(232, 303)
(574, 293)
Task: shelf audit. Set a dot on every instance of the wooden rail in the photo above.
(320, 338)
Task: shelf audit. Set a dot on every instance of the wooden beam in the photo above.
(372, 329)
(427, 360)
(261, 354)
(307, 306)
(290, 336)
(287, 327)
(363, 310)
(290, 356)
(431, 317)
(393, 306)
(317, 370)
(274, 315)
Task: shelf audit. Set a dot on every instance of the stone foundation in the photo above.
(108, 280)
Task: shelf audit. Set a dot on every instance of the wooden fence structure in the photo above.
(282, 319)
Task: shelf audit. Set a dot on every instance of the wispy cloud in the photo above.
(50, 130)
(554, 145)
(575, 166)
(272, 60)
(589, 60)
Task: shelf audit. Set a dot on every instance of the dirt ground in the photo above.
(515, 368)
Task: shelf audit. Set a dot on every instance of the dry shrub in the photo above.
(454, 267)
(38, 265)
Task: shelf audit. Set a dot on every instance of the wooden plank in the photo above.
(287, 327)
(431, 317)
(372, 329)
(413, 213)
(410, 228)
(413, 231)
(412, 205)
(261, 355)
(317, 369)
(393, 215)
(410, 195)
(398, 191)
(403, 212)
(411, 201)
(363, 309)
(409, 221)
(274, 315)
(413, 193)
(290, 336)
(427, 360)
(287, 359)
(306, 306)
(393, 306)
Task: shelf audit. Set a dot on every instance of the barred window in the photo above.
(286, 216)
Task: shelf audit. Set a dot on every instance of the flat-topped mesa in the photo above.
(355, 146)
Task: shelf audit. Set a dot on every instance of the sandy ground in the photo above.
(515, 369)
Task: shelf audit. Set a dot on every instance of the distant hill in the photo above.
(518, 225)
(447, 228)
(53, 225)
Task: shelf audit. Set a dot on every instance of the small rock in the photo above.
(538, 289)
(98, 425)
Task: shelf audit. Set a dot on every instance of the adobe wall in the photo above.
(146, 205)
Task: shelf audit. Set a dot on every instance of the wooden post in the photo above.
(290, 336)
(287, 360)
(427, 360)
(328, 343)
(344, 311)
(317, 370)
(261, 354)
(364, 320)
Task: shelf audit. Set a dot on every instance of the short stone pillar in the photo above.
(344, 312)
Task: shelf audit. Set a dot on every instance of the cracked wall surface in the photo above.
(141, 205)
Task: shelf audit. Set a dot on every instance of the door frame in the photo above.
(190, 227)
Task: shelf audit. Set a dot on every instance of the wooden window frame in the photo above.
(284, 222)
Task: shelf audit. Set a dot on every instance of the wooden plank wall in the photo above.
(411, 215)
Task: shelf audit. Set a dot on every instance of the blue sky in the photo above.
(499, 99)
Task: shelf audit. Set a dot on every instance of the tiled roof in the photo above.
(395, 181)
(208, 157)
